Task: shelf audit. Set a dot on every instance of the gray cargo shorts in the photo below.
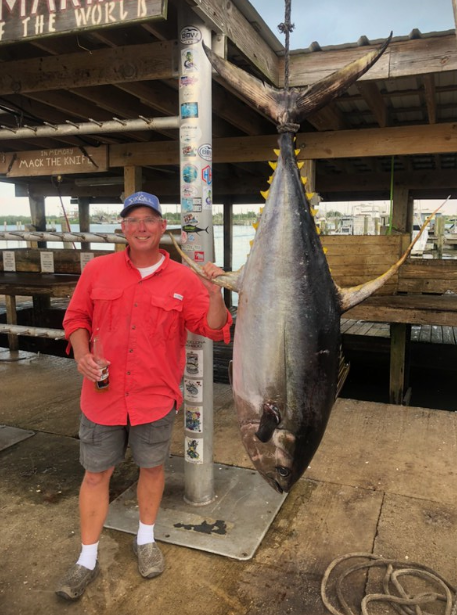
(103, 446)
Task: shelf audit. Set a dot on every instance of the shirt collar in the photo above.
(162, 266)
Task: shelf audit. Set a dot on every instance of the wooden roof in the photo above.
(401, 115)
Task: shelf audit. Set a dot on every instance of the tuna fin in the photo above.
(291, 106)
(231, 279)
(269, 420)
(265, 97)
(324, 91)
(350, 297)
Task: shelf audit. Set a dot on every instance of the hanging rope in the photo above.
(402, 600)
(286, 28)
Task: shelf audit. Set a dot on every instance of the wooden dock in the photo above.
(432, 334)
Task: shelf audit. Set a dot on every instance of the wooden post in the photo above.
(84, 219)
(228, 246)
(439, 234)
(38, 215)
(11, 319)
(400, 334)
(400, 337)
(308, 170)
(132, 180)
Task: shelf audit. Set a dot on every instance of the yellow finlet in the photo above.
(261, 210)
(313, 211)
(255, 225)
(318, 229)
(265, 193)
(301, 164)
(309, 195)
(297, 151)
(270, 179)
(304, 180)
(276, 151)
(251, 243)
(273, 165)
(325, 250)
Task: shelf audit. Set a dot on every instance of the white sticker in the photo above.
(194, 363)
(9, 261)
(193, 418)
(194, 450)
(47, 262)
(84, 258)
(193, 390)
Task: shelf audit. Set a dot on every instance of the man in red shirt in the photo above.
(138, 304)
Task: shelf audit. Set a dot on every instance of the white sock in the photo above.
(145, 534)
(88, 556)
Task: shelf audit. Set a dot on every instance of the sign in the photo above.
(47, 262)
(28, 19)
(55, 161)
(9, 261)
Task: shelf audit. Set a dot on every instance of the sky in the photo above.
(329, 22)
(335, 22)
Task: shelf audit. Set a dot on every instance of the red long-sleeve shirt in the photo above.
(142, 324)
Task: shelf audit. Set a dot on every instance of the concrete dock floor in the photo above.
(383, 481)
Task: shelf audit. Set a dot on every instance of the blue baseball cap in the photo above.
(141, 199)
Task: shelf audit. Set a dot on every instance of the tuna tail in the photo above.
(350, 297)
(231, 280)
(292, 106)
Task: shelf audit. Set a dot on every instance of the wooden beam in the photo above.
(416, 180)
(454, 6)
(430, 97)
(439, 138)
(224, 17)
(401, 59)
(328, 118)
(102, 67)
(375, 102)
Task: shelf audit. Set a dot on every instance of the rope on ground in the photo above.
(404, 603)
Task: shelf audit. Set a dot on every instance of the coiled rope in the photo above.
(402, 601)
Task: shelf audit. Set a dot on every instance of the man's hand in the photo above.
(89, 368)
(212, 271)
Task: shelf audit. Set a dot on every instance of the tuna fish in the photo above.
(286, 350)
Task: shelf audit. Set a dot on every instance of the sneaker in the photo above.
(74, 583)
(150, 559)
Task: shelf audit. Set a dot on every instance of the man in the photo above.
(138, 303)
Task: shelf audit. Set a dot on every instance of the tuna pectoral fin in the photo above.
(324, 91)
(269, 420)
(231, 280)
(350, 297)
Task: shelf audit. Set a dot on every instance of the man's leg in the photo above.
(149, 493)
(93, 504)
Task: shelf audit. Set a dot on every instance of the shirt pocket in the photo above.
(107, 303)
(165, 317)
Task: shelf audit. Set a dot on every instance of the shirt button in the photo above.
(128, 373)
(135, 304)
(130, 349)
(133, 326)
(127, 394)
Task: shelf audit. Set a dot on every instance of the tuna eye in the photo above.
(282, 471)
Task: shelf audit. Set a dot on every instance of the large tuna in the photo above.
(286, 349)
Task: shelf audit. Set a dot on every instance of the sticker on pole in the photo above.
(193, 390)
(194, 418)
(207, 174)
(190, 35)
(194, 450)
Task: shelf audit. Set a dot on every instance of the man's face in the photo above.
(143, 228)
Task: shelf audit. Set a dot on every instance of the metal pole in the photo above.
(196, 219)
(78, 237)
(89, 128)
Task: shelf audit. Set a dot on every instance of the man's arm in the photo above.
(217, 312)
